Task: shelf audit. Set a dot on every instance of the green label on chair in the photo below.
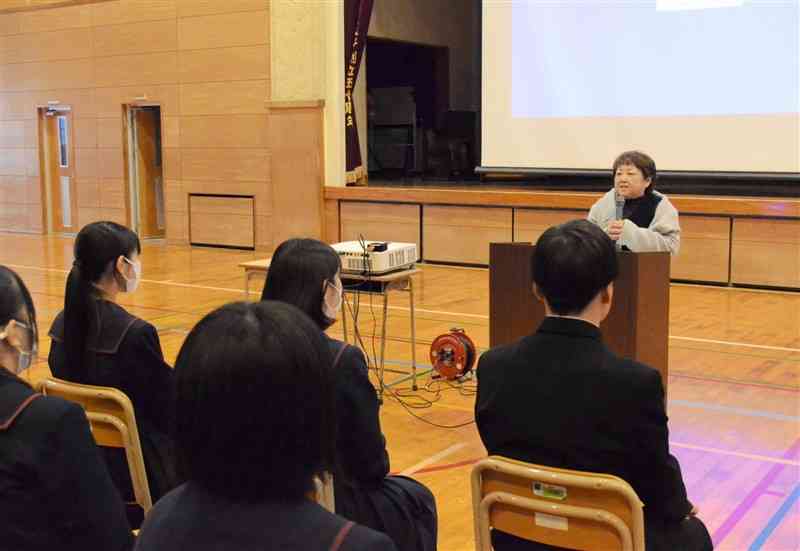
(549, 491)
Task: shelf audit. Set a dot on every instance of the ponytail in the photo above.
(97, 247)
(77, 305)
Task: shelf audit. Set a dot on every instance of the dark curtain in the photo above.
(356, 23)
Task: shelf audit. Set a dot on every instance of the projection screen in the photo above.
(701, 85)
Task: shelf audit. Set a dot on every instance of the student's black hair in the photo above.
(573, 262)
(97, 247)
(15, 298)
(254, 406)
(296, 274)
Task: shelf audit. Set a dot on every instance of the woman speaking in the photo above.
(633, 214)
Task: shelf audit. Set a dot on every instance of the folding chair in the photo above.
(560, 507)
(113, 425)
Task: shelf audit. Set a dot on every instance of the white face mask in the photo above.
(133, 283)
(332, 302)
(25, 357)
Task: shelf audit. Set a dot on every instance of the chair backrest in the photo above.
(113, 425)
(324, 492)
(560, 507)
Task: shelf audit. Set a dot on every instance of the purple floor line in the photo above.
(747, 503)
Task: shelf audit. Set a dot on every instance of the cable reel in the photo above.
(453, 354)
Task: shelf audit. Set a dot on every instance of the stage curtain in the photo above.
(357, 14)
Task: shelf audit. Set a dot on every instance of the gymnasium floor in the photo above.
(733, 386)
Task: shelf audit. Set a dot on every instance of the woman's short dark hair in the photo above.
(573, 262)
(97, 247)
(640, 160)
(296, 274)
(15, 298)
(254, 407)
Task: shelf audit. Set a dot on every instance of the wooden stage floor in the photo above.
(733, 388)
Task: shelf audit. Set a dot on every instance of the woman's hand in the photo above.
(614, 229)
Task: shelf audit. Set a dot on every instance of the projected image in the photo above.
(597, 58)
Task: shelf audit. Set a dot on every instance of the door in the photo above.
(147, 190)
(58, 163)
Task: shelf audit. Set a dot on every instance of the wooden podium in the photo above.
(637, 326)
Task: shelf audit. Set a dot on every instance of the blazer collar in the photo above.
(570, 327)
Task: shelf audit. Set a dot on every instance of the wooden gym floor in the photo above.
(733, 388)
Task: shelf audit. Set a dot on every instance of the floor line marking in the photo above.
(423, 310)
(775, 521)
(755, 457)
(447, 466)
(750, 499)
(433, 459)
(737, 410)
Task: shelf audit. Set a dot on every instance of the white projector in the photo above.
(375, 257)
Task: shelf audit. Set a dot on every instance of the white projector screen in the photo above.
(701, 85)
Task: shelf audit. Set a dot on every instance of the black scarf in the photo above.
(642, 210)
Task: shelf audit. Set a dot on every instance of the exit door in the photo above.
(57, 158)
(146, 175)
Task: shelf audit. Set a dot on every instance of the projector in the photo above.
(375, 257)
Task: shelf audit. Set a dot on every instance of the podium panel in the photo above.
(637, 327)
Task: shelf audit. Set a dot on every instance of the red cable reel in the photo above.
(453, 354)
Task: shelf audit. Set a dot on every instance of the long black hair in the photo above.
(14, 298)
(254, 403)
(296, 274)
(97, 248)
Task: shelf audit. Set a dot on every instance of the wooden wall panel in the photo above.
(220, 98)
(296, 137)
(191, 8)
(136, 38)
(12, 162)
(223, 31)
(12, 134)
(112, 193)
(222, 221)
(85, 132)
(85, 163)
(109, 132)
(70, 17)
(529, 224)
(705, 249)
(175, 199)
(88, 192)
(766, 252)
(463, 234)
(242, 63)
(48, 75)
(10, 24)
(136, 69)
(131, 11)
(381, 222)
(110, 163)
(51, 46)
(225, 164)
(177, 231)
(225, 131)
(170, 131)
(332, 228)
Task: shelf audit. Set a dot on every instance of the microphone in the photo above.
(619, 202)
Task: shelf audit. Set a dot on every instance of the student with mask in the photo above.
(96, 341)
(306, 273)
(55, 491)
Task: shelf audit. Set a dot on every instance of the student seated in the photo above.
(305, 273)
(255, 422)
(96, 341)
(55, 490)
(560, 398)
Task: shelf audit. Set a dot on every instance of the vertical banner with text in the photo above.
(357, 14)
